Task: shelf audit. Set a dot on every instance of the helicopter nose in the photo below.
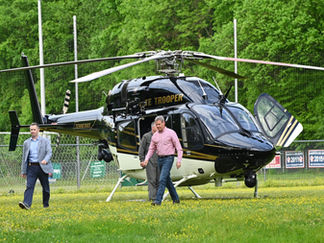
(249, 153)
(238, 140)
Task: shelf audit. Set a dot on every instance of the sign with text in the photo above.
(97, 169)
(316, 158)
(275, 163)
(294, 159)
(57, 170)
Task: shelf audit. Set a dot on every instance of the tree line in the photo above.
(266, 30)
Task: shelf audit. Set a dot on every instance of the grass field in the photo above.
(282, 214)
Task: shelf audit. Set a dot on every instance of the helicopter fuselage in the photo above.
(218, 140)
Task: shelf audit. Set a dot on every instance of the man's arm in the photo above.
(150, 152)
(178, 147)
(48, 151)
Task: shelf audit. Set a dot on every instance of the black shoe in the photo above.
(176, 201)
(23, 206)
(155, 204)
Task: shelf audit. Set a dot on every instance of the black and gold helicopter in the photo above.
(220, 139)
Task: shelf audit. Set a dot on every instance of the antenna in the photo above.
(203, 90)
(217, 85)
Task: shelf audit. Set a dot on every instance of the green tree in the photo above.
(267, 30)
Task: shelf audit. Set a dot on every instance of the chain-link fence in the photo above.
(302, 163)
(75, 166)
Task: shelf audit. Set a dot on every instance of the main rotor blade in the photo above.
(105, 72)
(74, 62)
(217, 69)
(199, 54)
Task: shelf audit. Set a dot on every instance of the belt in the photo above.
(33, 163)
(163, 156)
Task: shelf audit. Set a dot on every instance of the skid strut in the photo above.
(185, 178)
(120, 180)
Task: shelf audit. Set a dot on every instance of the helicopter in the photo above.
(221, 140)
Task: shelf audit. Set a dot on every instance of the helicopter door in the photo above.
(144, 125)
(127, 146)
(277, 124)
(192, 137)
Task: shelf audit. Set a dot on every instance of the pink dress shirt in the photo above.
(165, 143)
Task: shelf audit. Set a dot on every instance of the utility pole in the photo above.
(76, 100)
(235, 62)
(41, 59)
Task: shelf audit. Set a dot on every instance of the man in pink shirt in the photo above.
(165, 141)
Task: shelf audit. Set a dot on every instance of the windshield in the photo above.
(216, 123)
(243, 116)
(195, 90)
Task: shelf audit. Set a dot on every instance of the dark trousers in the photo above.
(152, 175)
(34, 172)
(165, 164)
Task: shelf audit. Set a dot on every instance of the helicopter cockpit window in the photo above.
(126, 135)
(271, 117)
(191, 133)
(243, 117)
(195, 90)
(165, 84)
(218, 121)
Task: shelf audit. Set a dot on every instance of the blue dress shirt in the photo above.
(33, 150)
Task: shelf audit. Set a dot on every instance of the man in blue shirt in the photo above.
(35, 165)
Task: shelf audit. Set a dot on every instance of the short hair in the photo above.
(152, 124)
(159, 118)
(34, 124)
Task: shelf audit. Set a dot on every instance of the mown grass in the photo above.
(285, 214)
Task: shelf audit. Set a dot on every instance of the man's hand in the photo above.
(50, 174)
(23, 176)
(144, 163)
(43, 162)
(178, 164)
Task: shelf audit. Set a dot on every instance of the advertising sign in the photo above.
(294, 159)
(275, 163)
(316, 158)
(97, 169)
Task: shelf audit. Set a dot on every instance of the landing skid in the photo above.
(185, 178)
(120, 180)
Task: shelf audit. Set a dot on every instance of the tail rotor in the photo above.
(66, 105)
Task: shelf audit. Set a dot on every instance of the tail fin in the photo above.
(37, 116)
(15, 127)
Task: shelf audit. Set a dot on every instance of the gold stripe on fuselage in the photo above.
(193, 155)
(215, 146)
(200, 155)
(126, 151)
